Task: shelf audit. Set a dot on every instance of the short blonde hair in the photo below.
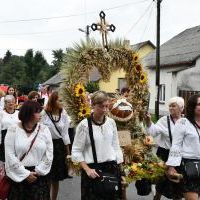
(178, 100)
(2, 93)
(99, 97)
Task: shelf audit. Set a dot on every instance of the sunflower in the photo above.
(138, 68)
(79, 90)
(84, 111)
(135, 57)
(143, 78)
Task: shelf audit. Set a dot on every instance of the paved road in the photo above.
(70, 190)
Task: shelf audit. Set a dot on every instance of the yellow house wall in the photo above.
(112, 85)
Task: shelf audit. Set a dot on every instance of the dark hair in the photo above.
(14, 94)
(125, 89)
(27, 111)
(191, 105)
(32, 94)
(52, 104)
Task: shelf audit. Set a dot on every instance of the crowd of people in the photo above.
(35, 142)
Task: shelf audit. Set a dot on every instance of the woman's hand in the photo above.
(32, 177)
(171, 171)
(92, 173)
(148, 119)
(67, 150)
(123, 182)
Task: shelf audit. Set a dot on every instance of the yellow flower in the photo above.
(143, 78)
(84, 111)
(79, 90)
(134, 167)
(138, 68)
(135, 57)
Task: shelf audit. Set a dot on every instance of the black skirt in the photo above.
(166, 187)
(188, 185)
(38, 190)
(59, 170)
(2, 147)
(87, 183)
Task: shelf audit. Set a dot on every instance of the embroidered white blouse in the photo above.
(106, 143)
(7, 120)
(62, 125)
(185, 144)
(17, 142)
(160, 129)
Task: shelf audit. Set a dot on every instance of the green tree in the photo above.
(13, 73)
(25, 71)
(58, 59)
(36, 67)
(7, 57)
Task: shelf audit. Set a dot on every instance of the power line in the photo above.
(72, 15)
(147, 22)
(34, 48)
(143, 14)
(35, 33)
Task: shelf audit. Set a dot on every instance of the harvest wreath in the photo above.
(77, 64)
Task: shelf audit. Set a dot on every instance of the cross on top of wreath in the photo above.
(103, 27)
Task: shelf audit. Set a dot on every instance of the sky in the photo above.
(46, 25)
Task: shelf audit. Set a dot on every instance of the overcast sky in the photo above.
(52, 24)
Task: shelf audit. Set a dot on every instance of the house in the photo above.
(179, 68)
(117, 79)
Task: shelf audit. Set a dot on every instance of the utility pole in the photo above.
(86, 31)
(158, 60)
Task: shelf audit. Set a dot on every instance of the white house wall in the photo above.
(170, 79)
(189, 79)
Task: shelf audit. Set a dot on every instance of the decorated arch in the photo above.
(81, 59)
(78, 63)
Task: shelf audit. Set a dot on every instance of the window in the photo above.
(121, 83)
(162, 93)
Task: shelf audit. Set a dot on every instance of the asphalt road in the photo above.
(70, 190)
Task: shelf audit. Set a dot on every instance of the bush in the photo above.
(92, 87)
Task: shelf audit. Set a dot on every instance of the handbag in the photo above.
(108, 183)
(191, 169)
(4, 180)
(192, 166)
(143, 187)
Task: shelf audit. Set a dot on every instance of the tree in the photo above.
(25, 71)
(36, 67)
(58, 59)
(13, 72)
(7, 57)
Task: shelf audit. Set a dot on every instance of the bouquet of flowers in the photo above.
(152, 171)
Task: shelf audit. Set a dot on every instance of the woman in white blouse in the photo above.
(162, 129)
(106, 142)
(186, 147)
(2, 94)
(56, 118)
(8, 117)
(28, 175)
